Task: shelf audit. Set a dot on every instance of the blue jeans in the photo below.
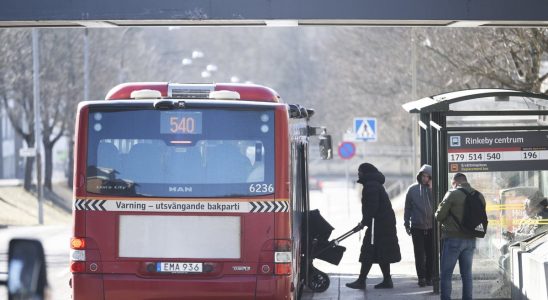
(462, 250)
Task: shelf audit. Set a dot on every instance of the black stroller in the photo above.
(320, 247)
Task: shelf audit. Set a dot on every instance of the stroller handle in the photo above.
(349, 233)
(357, 228)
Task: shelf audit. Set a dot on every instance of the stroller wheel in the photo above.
(318, 281)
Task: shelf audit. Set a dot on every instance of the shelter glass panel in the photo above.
(510, 169)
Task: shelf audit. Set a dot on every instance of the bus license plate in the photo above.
(179, 267)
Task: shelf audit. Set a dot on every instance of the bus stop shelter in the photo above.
(499, 139)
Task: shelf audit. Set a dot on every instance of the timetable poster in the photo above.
(497, 151)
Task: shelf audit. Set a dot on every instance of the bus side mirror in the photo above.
(26, 270)
(326, 148)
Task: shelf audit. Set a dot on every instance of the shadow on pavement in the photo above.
(405, 287)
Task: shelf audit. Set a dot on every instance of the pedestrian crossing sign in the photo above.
(365, 129)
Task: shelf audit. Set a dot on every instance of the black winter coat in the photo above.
(380, 244)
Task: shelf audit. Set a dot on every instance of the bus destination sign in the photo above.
(180, 122)
(497, 151)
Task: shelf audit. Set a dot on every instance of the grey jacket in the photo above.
(419, 203)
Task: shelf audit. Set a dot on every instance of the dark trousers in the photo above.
(423, 244)
(366, 267)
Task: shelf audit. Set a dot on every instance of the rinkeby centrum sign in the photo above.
(497, 151)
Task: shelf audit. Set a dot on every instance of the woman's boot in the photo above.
(359, 284)
(385, 284)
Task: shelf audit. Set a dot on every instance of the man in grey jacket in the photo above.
(418, 221)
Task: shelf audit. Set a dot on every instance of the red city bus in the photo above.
(191, 191)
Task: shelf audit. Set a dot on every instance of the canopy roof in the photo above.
(440, 103)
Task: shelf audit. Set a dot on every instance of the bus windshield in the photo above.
(181, 153)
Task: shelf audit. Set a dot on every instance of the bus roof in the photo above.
(247, 92)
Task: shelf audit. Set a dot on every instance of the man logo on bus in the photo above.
(183, 189)
(454, 141)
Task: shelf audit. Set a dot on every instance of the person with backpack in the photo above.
(459, 206)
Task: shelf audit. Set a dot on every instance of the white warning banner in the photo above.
(179, 206)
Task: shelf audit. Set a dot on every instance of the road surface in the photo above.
(55, 239)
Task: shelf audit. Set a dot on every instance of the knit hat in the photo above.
(367, 168)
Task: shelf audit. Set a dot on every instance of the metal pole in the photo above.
(37, 122)
(86, 65)
(415, 128)
(347, 187)
(438, 140)
(426, 140)
(413, 64)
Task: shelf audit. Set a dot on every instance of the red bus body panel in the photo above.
(90, 287)
(251, 92)
(247, 92)
(123, 91)
(282, 220)
(80, 155)
(108, 276)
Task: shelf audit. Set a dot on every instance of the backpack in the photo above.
(474, 220)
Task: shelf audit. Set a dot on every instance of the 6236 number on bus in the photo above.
(261, 188)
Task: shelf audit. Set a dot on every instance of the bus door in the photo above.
(299, 200)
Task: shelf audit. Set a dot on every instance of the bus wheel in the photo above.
(318, 281)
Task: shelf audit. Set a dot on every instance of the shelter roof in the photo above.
(440, 103)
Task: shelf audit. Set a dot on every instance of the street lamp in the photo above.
(211, 68)
(197, 54)
(186, 61)
(206, 74)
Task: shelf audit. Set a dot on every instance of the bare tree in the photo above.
(61, 88)
(115, 56)
(363, 72)
(16, 87)
(343, 72)
(58, 71)
(485, 57)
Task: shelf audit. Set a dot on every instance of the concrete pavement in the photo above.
(339, 203)
(405, 287)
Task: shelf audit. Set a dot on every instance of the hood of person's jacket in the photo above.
(424, 169)
(371, 176)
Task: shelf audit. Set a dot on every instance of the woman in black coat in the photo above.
(380, 244)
